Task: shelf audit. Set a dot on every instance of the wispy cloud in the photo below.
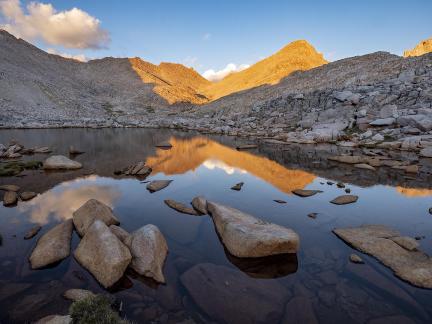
(206, 37)
(213, 75)
(72, 28)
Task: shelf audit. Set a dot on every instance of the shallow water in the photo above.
(318, 280)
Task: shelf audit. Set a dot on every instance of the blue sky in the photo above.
(211, 34)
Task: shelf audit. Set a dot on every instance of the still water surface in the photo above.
(319, 283)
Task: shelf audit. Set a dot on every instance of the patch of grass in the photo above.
(95, 310)
(11, 169)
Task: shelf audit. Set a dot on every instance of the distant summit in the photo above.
(298, 55)
(421, 48)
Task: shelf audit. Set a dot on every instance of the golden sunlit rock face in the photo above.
(412, 192)
(296, 56)
(177, 83)
(173, 82)
(187, 155)
(421, 48)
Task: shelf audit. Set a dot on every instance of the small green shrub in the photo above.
(94, 310)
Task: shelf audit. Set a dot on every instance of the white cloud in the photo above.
(206, 36)
(190, 61)
(72, 28)
(78, 57)
(213, 75)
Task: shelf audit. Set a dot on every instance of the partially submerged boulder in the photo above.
(93, 209)
(60, 162)
(13, 188)
(10, 198)
(157, 185)
(344, 199)
(78, 294)
(181, 208)
(379, 241)
(200, 205)
(32, 232)
(138, 169)
(305, 193)
(53, 246)
(237, 186)
(103, 254)
(27, 195)
(149, 250)
(246, 236)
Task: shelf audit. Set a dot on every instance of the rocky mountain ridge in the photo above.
(375, 100)
(421, 48)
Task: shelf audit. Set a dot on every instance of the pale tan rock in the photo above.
(344, 199)
(149, 250)
(364, 166)
(406, 242)
(55, 319)
(181, 208)
(60, 162)
(53, 246)
(27, 195)
(200, 204)
(121, 234)
(93, 209)
(78, 294)
(414, 266)
(6, 187)
(103, 254)
(246, 236)
(421, 48)
(347, 159)
(305, 193)
(10, 198)
(157, 185)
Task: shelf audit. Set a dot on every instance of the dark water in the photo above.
(317, 283)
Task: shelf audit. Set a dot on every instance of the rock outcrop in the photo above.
(60, 162)
(394, 251)
(247, 237)
(421, 48)
(53, 246)
(102, 253)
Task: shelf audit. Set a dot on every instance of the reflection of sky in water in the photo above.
(212, 164)
(60, 202)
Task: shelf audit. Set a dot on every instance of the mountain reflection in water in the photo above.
(189, 154)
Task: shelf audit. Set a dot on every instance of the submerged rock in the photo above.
(13, 188)
(354, 258)
(78, 294)
(305, 193)
(412, 266)
(10, 198)
(230, 296)
(246, 147)
(75, 151)
(200, 205)
(344, 199)
(149, 250)
(164, 145)
(299, 310)
(27, 195)
(53, 246)
(60, 162)
(157, 185)
(32, 232)
(103, 254)
(246, 236)
(181, 208)
(279, 201)
(237, 186)
(93, 209)
(55, 319)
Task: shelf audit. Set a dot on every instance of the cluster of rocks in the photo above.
(15, 150)
(12, 194)
(105, 250)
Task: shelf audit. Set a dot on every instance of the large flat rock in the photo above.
(60, 162)
(93, 209)
(53, 246)
(246, 236)
(102, 253)
(229, 296)
(380, 241)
